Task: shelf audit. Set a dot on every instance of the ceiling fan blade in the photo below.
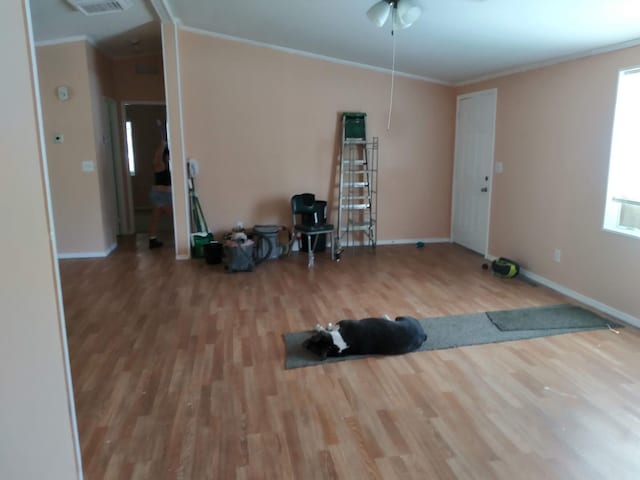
(398, 24)
(408, 12)
(379, 13)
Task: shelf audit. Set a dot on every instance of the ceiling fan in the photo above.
(403, 13)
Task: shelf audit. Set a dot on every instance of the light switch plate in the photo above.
(88, 166)
(194, 167)
(499, 167)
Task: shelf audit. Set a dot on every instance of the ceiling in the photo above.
(133, 32)
(453, 42)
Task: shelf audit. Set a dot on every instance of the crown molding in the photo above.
(163, 10)
(548, 63)
(316, 56)
(58, 41)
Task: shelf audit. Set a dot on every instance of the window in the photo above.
(622, 210)
(130, 156)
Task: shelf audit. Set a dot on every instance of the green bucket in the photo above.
(198, 241)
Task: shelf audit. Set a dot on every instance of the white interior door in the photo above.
(473, 166)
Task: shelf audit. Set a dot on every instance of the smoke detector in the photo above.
(99, 7)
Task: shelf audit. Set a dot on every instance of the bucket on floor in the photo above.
(238, 256)
(267, 241)
(213, 252)
(198, 241)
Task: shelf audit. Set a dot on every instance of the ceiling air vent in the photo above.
(98, 7)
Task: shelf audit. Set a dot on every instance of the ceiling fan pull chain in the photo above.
(393, 72)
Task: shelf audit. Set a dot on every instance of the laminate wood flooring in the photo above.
(178, 373)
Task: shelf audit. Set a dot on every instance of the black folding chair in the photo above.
(309, 221)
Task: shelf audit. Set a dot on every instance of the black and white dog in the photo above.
(369, 336)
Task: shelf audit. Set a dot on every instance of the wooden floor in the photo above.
(178, 372)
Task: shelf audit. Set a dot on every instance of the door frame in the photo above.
(117, 163)
(125, 160)
(50, 220)
(488, 91)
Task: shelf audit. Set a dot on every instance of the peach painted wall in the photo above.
(264, 126)
(102, 85)
(135, 86)
(78, 197)
(36, 423)
(553, 135)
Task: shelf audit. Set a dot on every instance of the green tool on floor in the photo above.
(201, 235)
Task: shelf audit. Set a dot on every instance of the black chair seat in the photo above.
(314, 228)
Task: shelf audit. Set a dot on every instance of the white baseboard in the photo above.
(111, 248)
(183, 257)
(105, 253)
(625, 317)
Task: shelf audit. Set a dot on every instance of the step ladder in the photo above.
(358, 206)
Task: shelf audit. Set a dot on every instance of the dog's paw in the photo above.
(318, 328)
(386, 317)
(331, 327)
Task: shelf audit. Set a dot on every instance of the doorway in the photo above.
(145, 128)
(473, 169)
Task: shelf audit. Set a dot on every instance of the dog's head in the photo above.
(321, 343)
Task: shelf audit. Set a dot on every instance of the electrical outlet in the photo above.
(557, 254)
(63, 93)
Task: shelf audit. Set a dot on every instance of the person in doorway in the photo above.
(160, 194)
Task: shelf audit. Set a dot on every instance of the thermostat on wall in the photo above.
(63, 93)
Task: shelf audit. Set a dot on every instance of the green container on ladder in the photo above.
(354, 125)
